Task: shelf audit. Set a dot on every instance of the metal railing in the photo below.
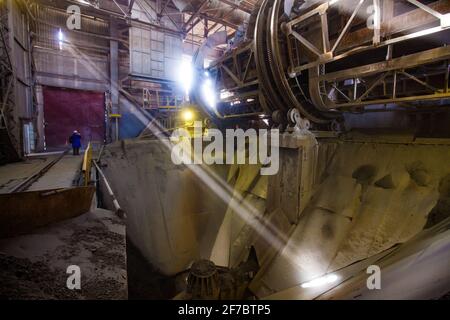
(159, 100)
(87, 163)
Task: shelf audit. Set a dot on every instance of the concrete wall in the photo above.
(172, 218)
(373, 196)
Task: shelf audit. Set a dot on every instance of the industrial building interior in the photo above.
(352, 97)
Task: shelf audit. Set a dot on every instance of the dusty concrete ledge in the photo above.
(172, 216)
(34, 266)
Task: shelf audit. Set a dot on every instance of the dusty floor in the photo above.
(63, 174)
(34, 266)
(12, 174)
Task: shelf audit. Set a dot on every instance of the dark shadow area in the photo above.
(144, 281)
(442, 209)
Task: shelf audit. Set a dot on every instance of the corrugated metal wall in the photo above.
(81, 65)
(21, 61)
(18, 108)
(153, 53)
(50, 20)
(63, 69)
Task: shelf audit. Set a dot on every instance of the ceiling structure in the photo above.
(208, 17)
(195, 20)
(201, 18)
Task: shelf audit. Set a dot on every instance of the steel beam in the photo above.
(405, 62)
(195, 14)
(236, 6)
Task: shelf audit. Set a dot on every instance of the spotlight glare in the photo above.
(60, 39)
(186, 75)
(209, 94)
(225, 94)
(327, 279)
(187, 115)
(445, 20)
(60, 35)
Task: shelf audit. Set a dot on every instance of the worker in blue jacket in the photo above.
(75, 140)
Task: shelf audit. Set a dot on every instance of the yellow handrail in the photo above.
(87, 162)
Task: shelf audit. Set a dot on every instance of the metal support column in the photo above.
(114, 81)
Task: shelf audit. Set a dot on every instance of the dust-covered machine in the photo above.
(329, 58)
(342, 202)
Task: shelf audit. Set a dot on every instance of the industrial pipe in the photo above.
(119, 211)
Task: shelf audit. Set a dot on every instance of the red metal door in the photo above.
(66, 110)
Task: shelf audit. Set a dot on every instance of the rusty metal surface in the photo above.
(22, 212)
(68, 110)
(309, 59)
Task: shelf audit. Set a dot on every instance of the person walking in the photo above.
(75, 140)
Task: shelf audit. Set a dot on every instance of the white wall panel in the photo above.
(153, 52)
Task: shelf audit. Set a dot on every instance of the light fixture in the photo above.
(327, 279)
(187, 115)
